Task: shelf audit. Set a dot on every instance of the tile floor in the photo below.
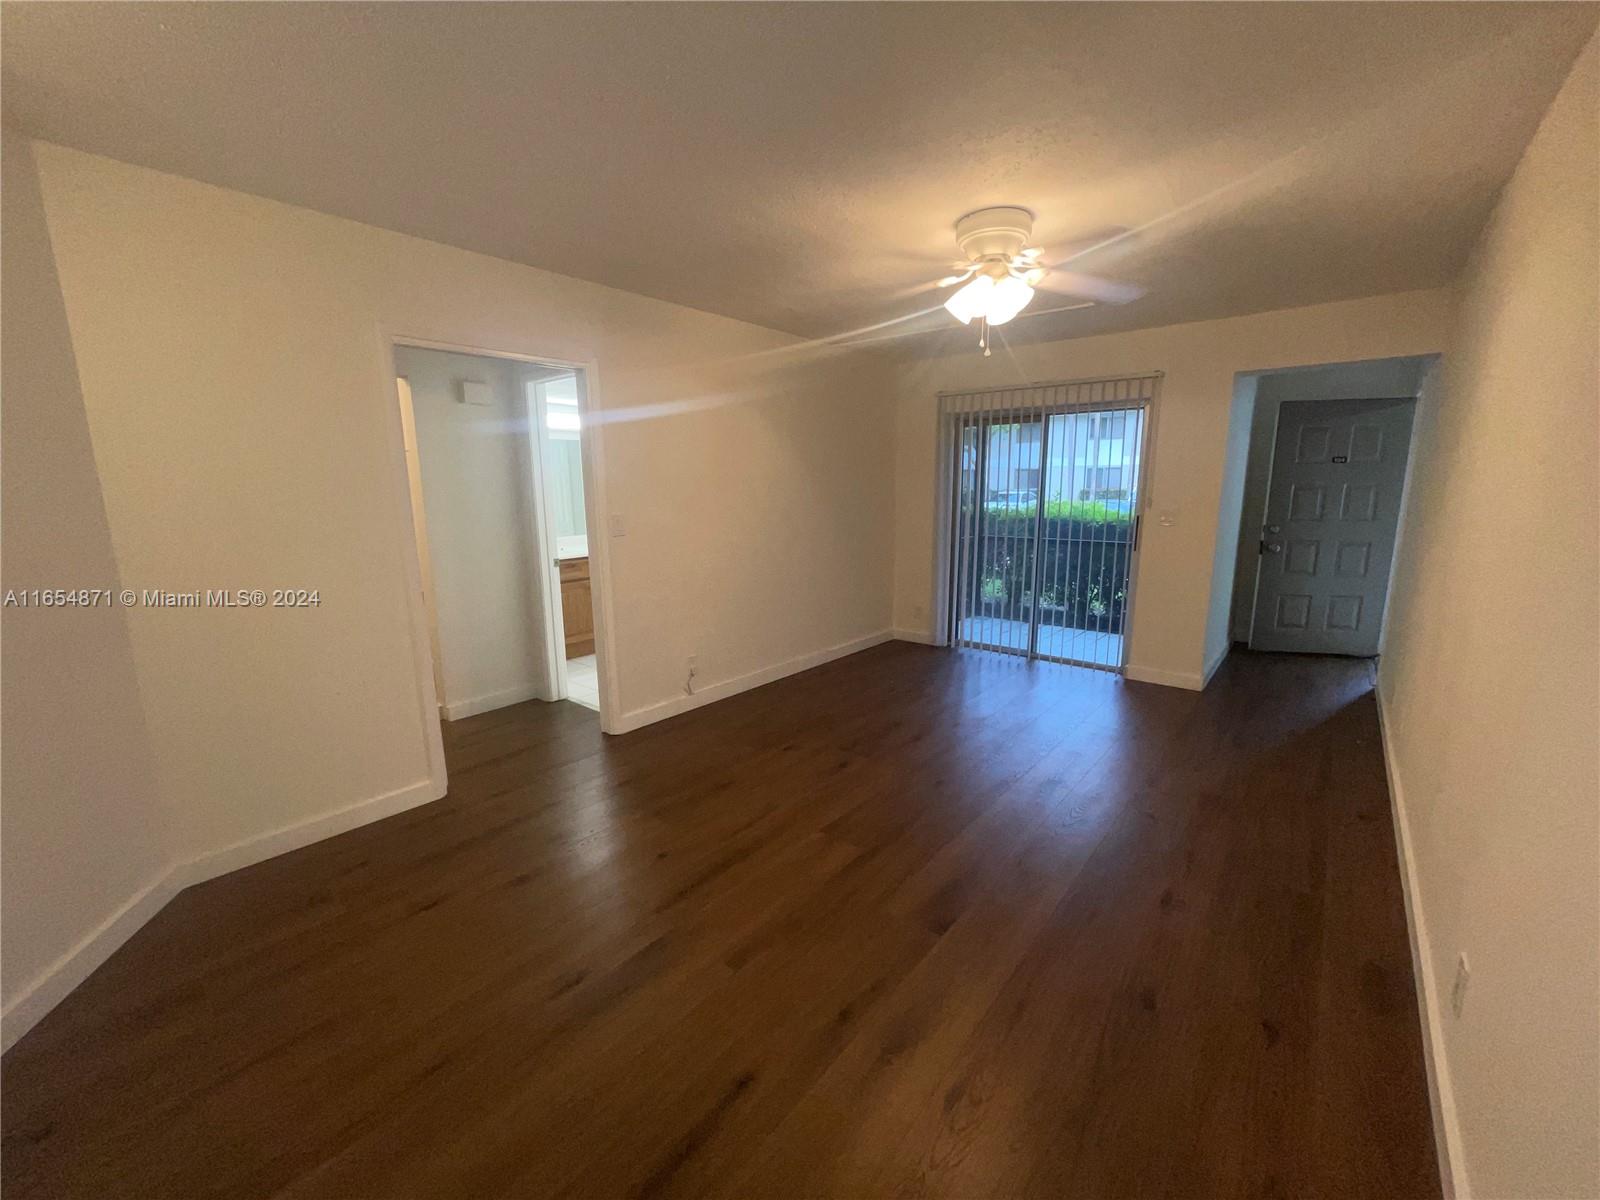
(583, 682)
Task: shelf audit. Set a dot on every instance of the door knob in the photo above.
(1274, 547)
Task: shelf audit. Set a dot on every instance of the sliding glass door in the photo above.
(1002, 465)
(1044, 519)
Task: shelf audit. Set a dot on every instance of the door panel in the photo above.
(1307, 502)
(1293, 611)
(1333, 508)
(1358, 502)
(1353, 559)
(1301, 557)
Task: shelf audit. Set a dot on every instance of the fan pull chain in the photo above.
(983, 335)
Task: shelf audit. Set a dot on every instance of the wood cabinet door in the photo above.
(577, 607)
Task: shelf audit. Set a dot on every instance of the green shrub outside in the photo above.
(1087, 512)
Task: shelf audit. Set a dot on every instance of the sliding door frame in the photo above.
(952, 422)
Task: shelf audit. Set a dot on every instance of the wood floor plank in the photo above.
(912, 923)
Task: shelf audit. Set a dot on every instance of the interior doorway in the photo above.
(1329, 451)
(494, 455)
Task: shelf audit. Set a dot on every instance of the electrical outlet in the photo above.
(1458, 989)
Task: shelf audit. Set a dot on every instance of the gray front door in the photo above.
(1333, 506)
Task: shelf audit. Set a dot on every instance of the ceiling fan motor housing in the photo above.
(994, 232)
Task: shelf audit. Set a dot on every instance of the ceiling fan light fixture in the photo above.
(1007, 298)
(994, 300)
(972, 300)
(996, 241)
(1002, 270)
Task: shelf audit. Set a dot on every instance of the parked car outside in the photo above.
(1016, 499)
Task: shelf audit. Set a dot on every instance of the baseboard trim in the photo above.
(919, 636)
(1441, 1095)
(1214, 665)
(57, 981)
(489, 701)
(1187, 680)
(253, 850)
(650, 714)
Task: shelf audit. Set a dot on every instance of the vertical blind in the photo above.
(1044, 516)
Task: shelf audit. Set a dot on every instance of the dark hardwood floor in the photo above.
(911, 923)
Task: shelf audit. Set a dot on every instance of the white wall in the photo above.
(475, 485)
(1380, 379)
(242, 404)
(239, 389)
(1175, 596)
(83, 832)
(1491, 679)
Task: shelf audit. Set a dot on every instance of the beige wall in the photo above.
(242, 406)
(1491, 678)
(83, 833)
(1182, 580)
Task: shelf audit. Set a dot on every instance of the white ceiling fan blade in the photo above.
(1060, 308)
(1106, 291)
(952, 280)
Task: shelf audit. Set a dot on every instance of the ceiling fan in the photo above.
(1002, 272)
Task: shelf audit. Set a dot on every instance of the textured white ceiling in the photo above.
(800, 165)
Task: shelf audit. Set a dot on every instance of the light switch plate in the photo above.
(479, 395)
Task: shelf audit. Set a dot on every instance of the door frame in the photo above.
(546, 564)
(419, 521)
(946, 449)
(591, 442)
